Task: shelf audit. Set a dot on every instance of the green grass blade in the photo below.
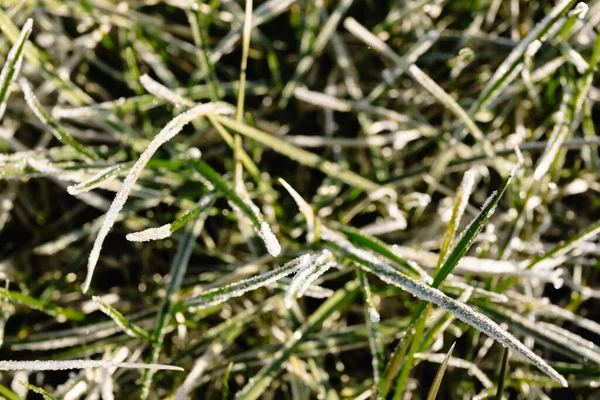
(253, 213)
(35, 304)
(38, 390)
(435, 386)
(429, 294)
(127, 326)
(502, 377)
(12, 66)
(469, 234)
(166, 230)
(45, 118)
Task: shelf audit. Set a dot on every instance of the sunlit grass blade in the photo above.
(53, 365)
(460, 204)
(12, 65)
(312, 223)
(45, 118)
(128, 327)
(166, 134)
(435, 386)
(502, 377)
(261, 381)
(471, 231)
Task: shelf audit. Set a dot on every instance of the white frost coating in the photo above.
(319, 270)
(162, 232)
(271, 242)
(102, 306)
(52, 365)
(5, 79)
(43, 167)
(220, 295)
(31, 100)
(303, 274)
(460, 310)
(533, 48)
(160, 90)
(304, 208)
(580, 10)
(373, 315)
(321, 100)
(166, 134)
(96, 180)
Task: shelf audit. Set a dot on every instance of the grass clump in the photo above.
(285, 199)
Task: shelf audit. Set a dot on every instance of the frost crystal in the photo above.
(147, 235)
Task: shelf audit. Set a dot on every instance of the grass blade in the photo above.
(435, 386)
(62, 365)
(502, 377)
(166, 134)
(12, 66)
(166, 230)
(221, 295)
(45, 118)
(301, 156)
(128, 327)
(244, 204)
(38, 390)
(50, 309)
(432, 295)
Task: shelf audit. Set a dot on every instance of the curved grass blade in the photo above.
(166, 230)
(33, 303)
(37, 389)
(45, 118)
(312, 223)
(303, 278)
(502, 378)
(429, 294)
(12, 66)
(221, 295)
(244, 204)
(128, 327)
(167, 133)
(435, 386)
(257, 385)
